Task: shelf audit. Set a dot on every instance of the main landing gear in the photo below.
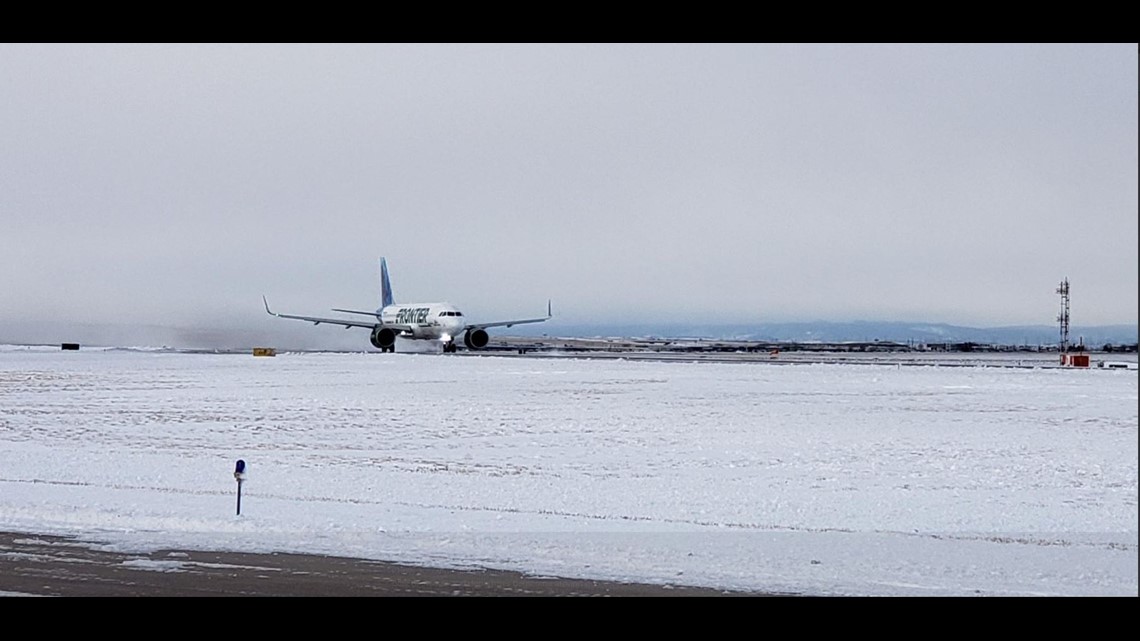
(450, 347)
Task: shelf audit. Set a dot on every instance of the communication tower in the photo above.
(1063, 317)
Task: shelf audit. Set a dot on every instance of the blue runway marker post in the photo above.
(239, 475)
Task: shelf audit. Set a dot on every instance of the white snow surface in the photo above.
(815, 479)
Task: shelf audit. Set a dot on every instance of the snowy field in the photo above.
(825, 479)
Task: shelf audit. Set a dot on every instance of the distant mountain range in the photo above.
(302, 336)
(902, 332)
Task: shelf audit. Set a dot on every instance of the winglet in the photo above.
(266, 305)
(548, 314)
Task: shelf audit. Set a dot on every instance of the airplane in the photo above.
(419, 321)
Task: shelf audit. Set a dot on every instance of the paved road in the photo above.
(36, 564)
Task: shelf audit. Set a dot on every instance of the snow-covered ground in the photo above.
(811, 479)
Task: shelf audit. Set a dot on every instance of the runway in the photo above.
(43, 565)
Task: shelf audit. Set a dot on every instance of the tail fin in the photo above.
(385, 286)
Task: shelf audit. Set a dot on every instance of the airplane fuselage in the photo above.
(440, 321)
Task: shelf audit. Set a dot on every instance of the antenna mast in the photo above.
(1063, 317)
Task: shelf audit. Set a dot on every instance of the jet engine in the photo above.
(475, 338)
(384, 339)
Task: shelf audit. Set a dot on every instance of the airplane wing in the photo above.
(353, 311)
(508, 323)
(316, 320)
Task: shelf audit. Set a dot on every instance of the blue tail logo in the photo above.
(385, 286)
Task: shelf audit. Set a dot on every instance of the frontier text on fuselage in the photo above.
(410, 315)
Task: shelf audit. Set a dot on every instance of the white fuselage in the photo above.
(440, 321)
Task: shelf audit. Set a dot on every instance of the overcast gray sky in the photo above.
(176, 184)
